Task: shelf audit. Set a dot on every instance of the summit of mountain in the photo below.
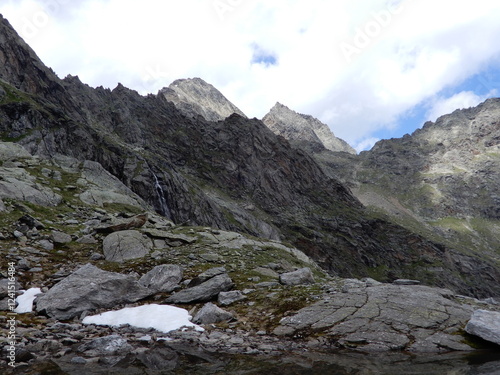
(195, 97)
(303, 131)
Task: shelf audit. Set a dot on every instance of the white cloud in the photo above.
(442, 106)
(403, 52)
(366, 144)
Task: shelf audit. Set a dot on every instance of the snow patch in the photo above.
(163, 318)
(25, 300)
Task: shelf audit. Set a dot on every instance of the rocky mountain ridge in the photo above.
(303, 130)
(233, 175)
(224, 219)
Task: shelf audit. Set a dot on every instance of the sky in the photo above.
(370, 69)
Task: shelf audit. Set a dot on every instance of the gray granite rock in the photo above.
(204, 291)
(228, 298)
(485, 324)
(126, 245)
(106, 346)
(385, 317)
(299, 277)
(210, 314)
(60, 237)
(89, 288)
(164, 278)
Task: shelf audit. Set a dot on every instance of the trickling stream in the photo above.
(164, 210)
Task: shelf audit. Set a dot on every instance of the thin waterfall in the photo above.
(164, 210)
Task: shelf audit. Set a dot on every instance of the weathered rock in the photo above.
(406, 282)
(303, 130)
(210, 314)
(18, 184)
(485, 324)
(164, 278)
(126, 245)
(106, 346)
(11, 150)
(136, 222)
(196, 97)
(299, 277)
(105, 188)
(208, 274)
(89, 288)
(385, 317)
(228, 298)
(159, 359)
(60, 237)
(4, 287)
(204, 291)
(46, 244)
(171, 237)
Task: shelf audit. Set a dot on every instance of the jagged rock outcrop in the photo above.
(442, 181)
(303, 130)
(195, 97)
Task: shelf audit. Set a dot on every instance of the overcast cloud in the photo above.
(361, 66)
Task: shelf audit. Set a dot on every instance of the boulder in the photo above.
(126, 245)
(60, 237)
(210, 314)
(89, 288)
(4, 287)
(208, 274)
(204, 291)
(299, 277)
(485, 324)
(164, 278)
(227, 298)
(135, 222)
(106, 346)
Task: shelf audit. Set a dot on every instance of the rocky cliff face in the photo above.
(442, 181)
(233, 174)
(303, 130)
(195, 97)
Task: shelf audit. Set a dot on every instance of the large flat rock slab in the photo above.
(385, 317)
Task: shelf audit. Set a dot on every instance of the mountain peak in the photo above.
(303, 130)
(194, 97)
(20, 66)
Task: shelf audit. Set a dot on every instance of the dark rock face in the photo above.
(234, 174)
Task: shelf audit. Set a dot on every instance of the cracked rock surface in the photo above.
(384, 317)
